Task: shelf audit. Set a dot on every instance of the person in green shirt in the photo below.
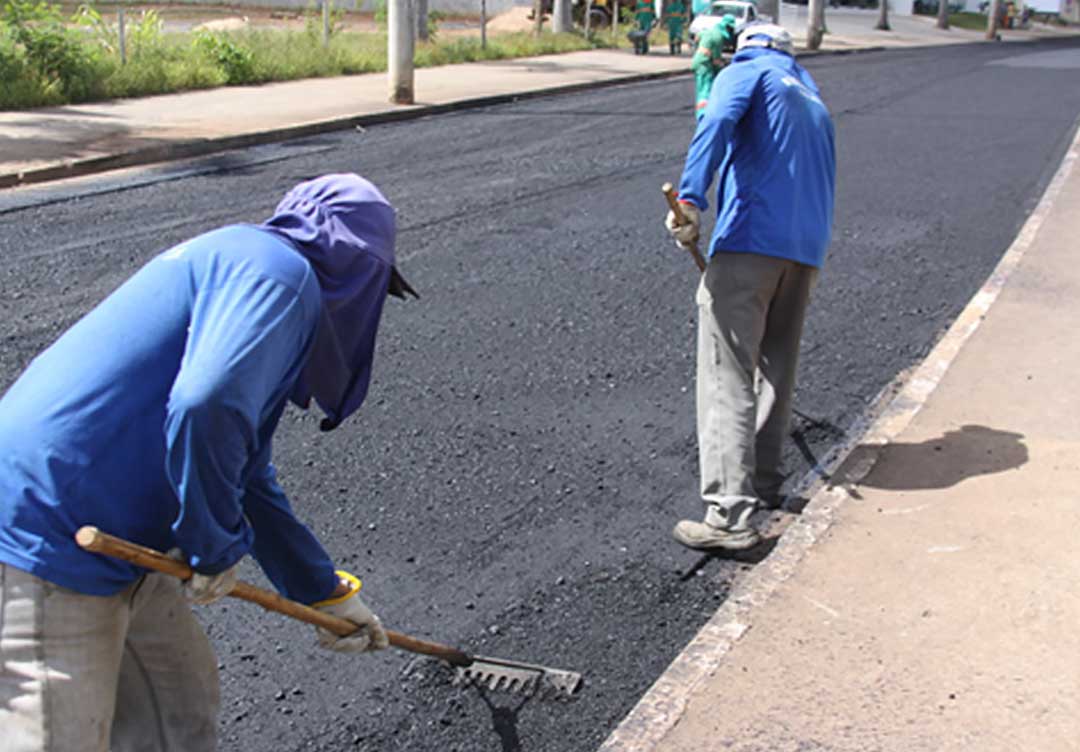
(675, 14)
(709, 59)
(645, 17)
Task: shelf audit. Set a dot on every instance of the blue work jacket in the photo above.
(152, 417)
(769, 136)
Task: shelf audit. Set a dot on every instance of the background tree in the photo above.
(992, 21)
(421, 7)
(883, 16)
(815, 27)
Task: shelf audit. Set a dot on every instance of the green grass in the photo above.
(976, 21)
(166, 63)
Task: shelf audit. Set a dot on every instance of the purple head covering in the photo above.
(345, 228)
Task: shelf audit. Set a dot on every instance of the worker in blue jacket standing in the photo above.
(769, 137)
(152, 418)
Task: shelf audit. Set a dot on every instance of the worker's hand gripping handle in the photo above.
(92, 539)
(673, 204)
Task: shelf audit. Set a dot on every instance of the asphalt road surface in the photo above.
(528, 442)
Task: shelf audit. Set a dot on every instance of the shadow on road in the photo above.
(504, 720)
(755, 555)
(944, 461)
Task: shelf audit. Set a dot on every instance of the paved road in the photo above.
(528, 440)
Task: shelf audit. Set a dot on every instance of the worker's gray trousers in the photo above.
(750, 318)
(85, 673)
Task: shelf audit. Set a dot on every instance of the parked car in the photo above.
(744, 12)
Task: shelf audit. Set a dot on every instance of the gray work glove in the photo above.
(369, 635)
(687, 231)
(206, 588)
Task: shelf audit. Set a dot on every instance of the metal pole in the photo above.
(483, 24)
(122, 41)
(615, 21)
(325, 23)
(588, 18)
(400, 51)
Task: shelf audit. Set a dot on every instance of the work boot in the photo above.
(715, 533)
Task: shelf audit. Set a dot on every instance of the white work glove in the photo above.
(370, 634)
(685, 233)
(206, 588)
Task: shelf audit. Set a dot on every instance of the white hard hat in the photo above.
(766, 35)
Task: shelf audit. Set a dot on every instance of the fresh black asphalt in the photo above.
(528, 441)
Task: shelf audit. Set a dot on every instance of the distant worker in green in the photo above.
(645, 17)
(675, 15)
(709, 59)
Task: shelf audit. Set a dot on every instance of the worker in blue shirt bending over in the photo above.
(152, 418)
(769, 137)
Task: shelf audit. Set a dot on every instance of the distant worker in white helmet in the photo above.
(770, 137)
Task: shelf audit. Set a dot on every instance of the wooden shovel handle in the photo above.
(680, 218)
(92, 539)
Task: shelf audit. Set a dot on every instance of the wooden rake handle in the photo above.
(680, 218)
(92, 539)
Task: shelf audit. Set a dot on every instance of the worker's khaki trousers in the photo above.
(750, 318)
(131, 671)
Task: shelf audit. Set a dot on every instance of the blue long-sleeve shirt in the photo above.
(152, 419)
(769, 136)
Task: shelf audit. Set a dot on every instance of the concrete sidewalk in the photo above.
(53, 143)
(938, 608)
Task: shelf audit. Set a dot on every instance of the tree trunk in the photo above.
(992, 21)
(815, 24)
(943, 14)
(883, 16)
(421, 19)
(561, 22)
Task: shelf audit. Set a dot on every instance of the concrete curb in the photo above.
(661, 708)
(203, 146)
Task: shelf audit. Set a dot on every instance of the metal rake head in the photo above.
(512, 676)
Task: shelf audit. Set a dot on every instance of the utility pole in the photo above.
(815, 24)
(421, 19)
(883, 16)
(943, 14)
(561, 22)
(325, 23)
(483, 24)
(121, 35)
(538, 16)
(400, 51)
(992, 21)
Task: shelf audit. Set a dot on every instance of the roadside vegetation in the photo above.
(968, 20)
(48, 57)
